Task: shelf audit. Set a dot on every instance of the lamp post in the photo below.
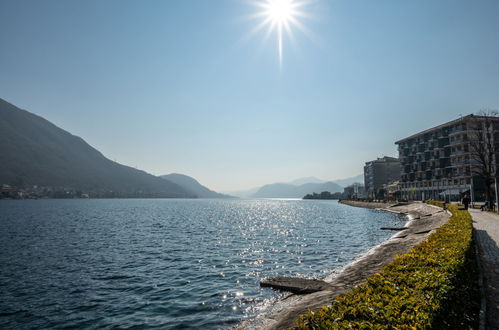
(497, 198)
(472, 193)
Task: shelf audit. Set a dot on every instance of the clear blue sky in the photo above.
(183, 86)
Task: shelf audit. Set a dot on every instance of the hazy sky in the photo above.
(185, 86)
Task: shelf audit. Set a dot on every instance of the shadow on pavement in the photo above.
(489, 257)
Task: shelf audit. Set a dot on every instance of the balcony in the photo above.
(461, 151)
(444, 142)
(455, 132)
(444, 162)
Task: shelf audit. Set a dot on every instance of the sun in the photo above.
(280, 11)
(279, 16)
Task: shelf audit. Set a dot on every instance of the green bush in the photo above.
(433, 286)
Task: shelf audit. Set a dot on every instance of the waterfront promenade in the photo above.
(424, 219)
(486, 225)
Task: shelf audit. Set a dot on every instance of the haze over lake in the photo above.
(213, 90)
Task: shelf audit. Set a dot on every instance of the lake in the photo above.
(168, 263)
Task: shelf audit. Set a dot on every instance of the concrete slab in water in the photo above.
(294, 284)
(394, 228)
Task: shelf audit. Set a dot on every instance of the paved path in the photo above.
(486, 225)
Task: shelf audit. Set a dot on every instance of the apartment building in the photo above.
(380, 172)
(439, 163)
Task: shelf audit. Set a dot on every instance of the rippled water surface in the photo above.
(167, 263)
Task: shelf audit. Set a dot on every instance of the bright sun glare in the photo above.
(280, 10)
(280, 16)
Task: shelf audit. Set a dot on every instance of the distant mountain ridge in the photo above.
(192, 185)
(286, 190)
(290, 190)
(348, 181)
(310, 179)
(34, 151)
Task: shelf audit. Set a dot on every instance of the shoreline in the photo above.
(422, 220)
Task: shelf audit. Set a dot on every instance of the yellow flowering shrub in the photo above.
(433, 286)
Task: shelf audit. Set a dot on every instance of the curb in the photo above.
(483, 301)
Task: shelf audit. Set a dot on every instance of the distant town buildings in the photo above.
(441, 162)
(35, 192)
(8, 192)
(379, 172)
(354, 191)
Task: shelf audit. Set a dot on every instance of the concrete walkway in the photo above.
(486, 225)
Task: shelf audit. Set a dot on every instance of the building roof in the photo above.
(429, 130)
(384, 159)
(452, 122)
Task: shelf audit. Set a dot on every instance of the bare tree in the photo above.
(482, 147)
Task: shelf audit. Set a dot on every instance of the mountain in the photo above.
(348, 181)
(310, 179)
(289, 188)
(286, 190)
(34, 151)
(192, 185)
(251, 192)
(276, 190)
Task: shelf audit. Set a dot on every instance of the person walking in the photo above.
(466, 201)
